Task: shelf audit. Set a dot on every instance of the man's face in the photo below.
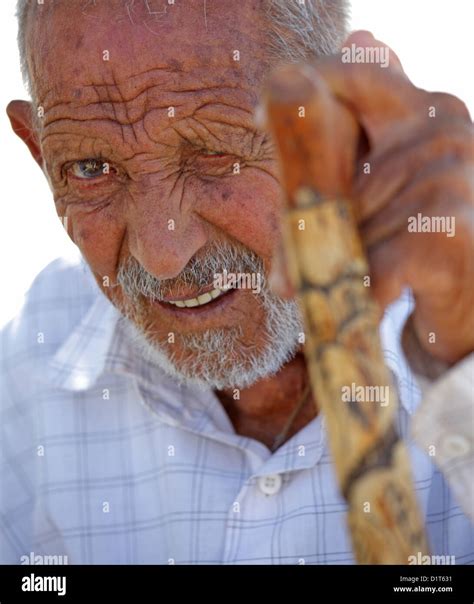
(151, 150)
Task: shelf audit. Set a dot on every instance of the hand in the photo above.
(417, 170)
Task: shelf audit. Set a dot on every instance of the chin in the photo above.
(217, 358)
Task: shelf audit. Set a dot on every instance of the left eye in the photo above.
(89, 168)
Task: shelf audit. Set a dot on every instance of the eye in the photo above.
(88, 169)
(209, 153)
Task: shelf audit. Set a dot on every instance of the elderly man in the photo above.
(152, 414)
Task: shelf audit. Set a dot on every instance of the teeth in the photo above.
(215, 292)
(204, 298)
(200, 300)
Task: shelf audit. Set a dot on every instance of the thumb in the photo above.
(365, 39)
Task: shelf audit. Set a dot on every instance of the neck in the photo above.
(264, 410)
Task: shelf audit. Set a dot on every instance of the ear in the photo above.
(21, 119)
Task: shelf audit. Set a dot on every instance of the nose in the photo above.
(162, 240)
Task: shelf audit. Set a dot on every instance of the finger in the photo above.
(384, 98)
(391, 170)
(366, 39)
(443, 184)
(427, 262)
(441, 283)
(317, 147)
(378, 96)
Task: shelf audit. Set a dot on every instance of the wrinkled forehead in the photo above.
(76, 45)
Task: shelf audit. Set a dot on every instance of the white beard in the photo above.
(215, 360)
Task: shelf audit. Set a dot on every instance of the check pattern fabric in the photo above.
(107, 460)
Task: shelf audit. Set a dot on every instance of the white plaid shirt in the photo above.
(106, 460)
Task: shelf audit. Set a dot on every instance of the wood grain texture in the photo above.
(327, 266)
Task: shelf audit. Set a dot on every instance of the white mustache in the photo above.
(136, 281)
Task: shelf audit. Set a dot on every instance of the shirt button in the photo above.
(269, 485)
(455, 445)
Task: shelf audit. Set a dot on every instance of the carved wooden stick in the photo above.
(317, 141)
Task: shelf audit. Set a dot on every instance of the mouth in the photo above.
(206, 305)
(200, 300)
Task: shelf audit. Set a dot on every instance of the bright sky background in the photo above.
(433, 39)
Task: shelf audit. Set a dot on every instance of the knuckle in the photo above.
(455, 140)
(449, 105)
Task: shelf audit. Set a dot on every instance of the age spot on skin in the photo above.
(79, 43)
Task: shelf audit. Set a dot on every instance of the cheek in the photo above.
(99, 235)
(246, 207)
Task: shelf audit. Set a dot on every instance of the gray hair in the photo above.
(299, 30)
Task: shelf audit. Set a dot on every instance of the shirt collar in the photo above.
(98, 346)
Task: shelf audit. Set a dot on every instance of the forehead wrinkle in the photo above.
(135, 119)
(218, 112)
(114, 90)
(231, 135)
(183, 48)
(219, 104)
(156, 134)
(196, 73)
